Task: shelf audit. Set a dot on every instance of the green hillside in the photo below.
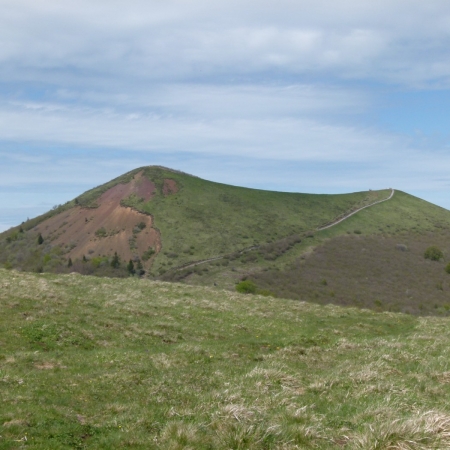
(100, 363)
(374, 259)
(205, 219)
(213, 234)
(202, 220)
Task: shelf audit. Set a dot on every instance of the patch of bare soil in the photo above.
(170, 187)
(16, 423)
(45, 365)
(108, 228)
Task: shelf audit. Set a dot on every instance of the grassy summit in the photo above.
(100, 363)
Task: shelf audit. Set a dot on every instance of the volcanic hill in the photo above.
(161, 223)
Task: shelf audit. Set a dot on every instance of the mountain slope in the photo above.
(170, 217)
(374, 259)
(178, 227)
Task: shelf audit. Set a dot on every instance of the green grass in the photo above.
(403, 213)
(99, 363)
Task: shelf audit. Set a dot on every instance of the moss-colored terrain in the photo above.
(98, 363)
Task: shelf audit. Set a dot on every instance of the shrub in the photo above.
(132, 243)
(139, 268)
(139, 227)
(97, 261)
(115, 262)
(130, 267)
(433, 253)
(101, 232)
(246, 287)
(148, 254)
(13, 237)
(447, 268)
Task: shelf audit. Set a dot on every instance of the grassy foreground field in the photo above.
(96, 363)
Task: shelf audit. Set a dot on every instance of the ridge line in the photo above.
(354, 212)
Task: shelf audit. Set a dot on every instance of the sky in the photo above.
(328, 96)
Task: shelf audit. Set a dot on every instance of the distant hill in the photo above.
(161, 223)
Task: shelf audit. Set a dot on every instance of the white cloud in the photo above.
(137, 40)
(261, 123)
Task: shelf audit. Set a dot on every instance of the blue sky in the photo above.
(324, 97)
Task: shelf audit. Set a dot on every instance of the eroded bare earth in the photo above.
(169, 187)
(110, 227)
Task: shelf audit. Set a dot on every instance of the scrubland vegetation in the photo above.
(98, 363)
(23, 251)
(382, 273)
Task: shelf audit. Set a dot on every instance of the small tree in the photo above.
(40, 239)
(115, 262)
(139, 268)
(69, 263)
(130, 267)
(434, 253)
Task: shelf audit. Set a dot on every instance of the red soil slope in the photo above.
(75, 230)
(170, 187)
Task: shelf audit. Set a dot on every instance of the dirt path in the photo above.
(215, 258)
(354, 212)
